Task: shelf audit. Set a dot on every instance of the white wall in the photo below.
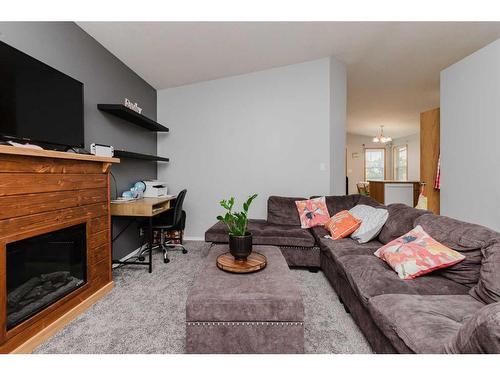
(266, 132)
(470, 132)
(355, 165)
(338, 114)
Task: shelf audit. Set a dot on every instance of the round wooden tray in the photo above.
(255, 262)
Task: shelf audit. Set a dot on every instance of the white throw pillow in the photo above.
(372, 221)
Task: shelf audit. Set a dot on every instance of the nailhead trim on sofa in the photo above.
(299, 247)
(245, 323)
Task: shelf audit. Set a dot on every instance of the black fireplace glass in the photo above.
(43, 269)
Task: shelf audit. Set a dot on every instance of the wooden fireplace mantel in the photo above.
(42, 191)
(22, 151)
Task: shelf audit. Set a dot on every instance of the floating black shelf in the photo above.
(119, 110)
(136, 155)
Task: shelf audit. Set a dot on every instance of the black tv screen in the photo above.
(37, 102)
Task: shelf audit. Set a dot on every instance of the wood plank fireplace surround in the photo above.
(43, 192)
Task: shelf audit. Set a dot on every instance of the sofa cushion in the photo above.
(302, 256)
(347, 246)
(319, 233)
(218, 233)
(372, 221)
(342, 224)
(416, 253)
(312, 212)
(282, 210)
(425, 323)
(480, 334)
(469, 239)
(265, 234)
(369, 201)
(337, 203)
(370, 276)
(400, 221)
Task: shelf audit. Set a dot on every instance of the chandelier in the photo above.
(381, 138)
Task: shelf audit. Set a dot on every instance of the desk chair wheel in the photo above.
(141, 259)
(165, 257)
(184, 251)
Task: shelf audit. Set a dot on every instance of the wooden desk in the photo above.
(142, 208)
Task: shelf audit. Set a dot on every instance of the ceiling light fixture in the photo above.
(381, 138)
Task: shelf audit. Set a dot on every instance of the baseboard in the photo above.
(136, 251)
(28, 346)
(130, 255)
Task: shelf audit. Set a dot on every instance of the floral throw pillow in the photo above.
(342, 224)
(312, 212)
(416, 253)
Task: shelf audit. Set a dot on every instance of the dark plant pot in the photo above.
(240, 247)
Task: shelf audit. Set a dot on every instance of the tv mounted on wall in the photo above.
(38, 103)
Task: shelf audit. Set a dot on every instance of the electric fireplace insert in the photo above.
(43, 269)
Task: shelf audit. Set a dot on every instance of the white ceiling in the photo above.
(393, 68)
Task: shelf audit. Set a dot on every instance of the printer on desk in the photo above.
(155, 189)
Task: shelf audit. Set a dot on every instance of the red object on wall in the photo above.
(437, 181)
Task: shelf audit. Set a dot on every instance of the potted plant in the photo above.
(240, 241)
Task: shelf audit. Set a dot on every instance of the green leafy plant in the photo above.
(236, 221)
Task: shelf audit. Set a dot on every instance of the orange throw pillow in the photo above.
(342, 224)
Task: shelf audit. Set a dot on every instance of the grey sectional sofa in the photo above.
(281, 229)
(454, 310)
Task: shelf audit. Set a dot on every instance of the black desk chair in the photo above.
(174, 219)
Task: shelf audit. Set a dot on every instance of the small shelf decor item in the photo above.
(133, 106)
(254, 262)
(240, 240)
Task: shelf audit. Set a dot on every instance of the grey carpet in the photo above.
(145, 313)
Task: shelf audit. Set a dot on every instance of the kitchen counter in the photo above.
(391, 191)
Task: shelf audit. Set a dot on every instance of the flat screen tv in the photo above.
(39, 103)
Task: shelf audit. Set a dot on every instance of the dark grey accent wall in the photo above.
(66, 47)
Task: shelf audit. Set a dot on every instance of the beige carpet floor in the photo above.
(145, 313)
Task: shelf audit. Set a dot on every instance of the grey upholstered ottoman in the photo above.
(253, 313)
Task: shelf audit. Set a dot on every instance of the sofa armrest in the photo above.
(479, 334)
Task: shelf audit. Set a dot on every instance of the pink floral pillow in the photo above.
(312, 212)
(416, 253)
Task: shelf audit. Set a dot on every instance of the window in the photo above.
(400, 162)
(374, 164)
